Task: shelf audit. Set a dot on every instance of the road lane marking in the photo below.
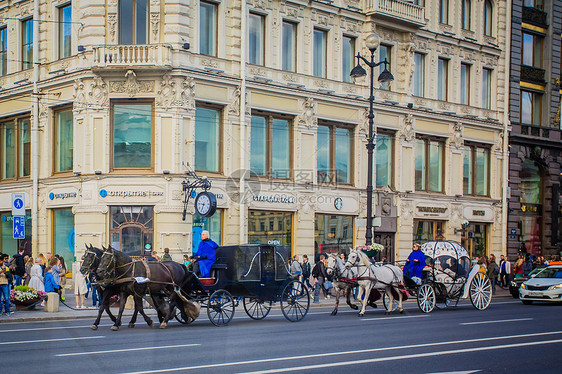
(51, 340)
(125, 350)
(339, 353)
(51, 328)
(402, 357)
(496, 321)
(384, 318)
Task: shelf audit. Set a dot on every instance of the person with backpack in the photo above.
(306, 271)
(319, 275)
(19, 264)
(493, 271)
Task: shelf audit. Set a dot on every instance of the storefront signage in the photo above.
(531, 208)
(338, 203)
(431, 209)
(479, 213)
(281, 199)
(129, 193)
(61, 195)
(274, 242)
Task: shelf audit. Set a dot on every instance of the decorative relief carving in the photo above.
(79, 96)
(293, 78)
(260, 72)
(308, 117)
(188, 94)
(166, 95)
(131, 85)
(321, 83)
(407, 132)
(112, 22)
(98, 92)
(155, 22)
(235, 105)
(456, 138)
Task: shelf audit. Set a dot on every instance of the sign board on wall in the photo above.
(18, 204)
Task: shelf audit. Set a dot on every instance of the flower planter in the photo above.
(25, 305)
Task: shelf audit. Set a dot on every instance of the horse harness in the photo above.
(374, 278)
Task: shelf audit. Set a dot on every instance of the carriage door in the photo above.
(267, 262)
(131, 229)
(387, 241)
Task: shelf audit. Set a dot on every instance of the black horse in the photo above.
(161, 280)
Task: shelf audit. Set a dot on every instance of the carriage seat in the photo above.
(212, 280)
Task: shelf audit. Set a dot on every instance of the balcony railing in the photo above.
(534, 16)
(153, 55)
(532, 74)
(404, 11)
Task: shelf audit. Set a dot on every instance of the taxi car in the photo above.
(546, 285)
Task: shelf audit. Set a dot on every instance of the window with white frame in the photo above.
(289, 46)
(419, 74)
(208, 28)
(487, 88)
(442, 78)
(319, 50)
(65, 31)
(256, 27)
(348, 56)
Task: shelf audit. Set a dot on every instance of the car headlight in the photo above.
(555, 287)
(523, 286)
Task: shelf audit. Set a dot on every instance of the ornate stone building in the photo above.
(106, 104)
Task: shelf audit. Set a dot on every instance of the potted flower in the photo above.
(371, 250)
(24, 296)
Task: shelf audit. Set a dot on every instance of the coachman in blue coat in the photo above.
(205, 256)
(415, 263)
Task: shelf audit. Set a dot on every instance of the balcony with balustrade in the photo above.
(138, 56)
(405, 12)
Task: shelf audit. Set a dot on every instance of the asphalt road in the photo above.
(508, 337)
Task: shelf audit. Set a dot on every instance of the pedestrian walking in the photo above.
(527, 265)
(493, 271)
(62, 275)
(19, 267)
(4, 287)
(36, 276)
(80, 287)
(28, 265)
(505, 271)
(306, 271)
(319, 275)
(296, 269)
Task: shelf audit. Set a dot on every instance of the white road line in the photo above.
(126, 350)
(50, 328)
(496, 321)
(339, 353)
(50, 340)
(384, 318)
(403, 357)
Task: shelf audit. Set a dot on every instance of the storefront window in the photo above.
(132, 229)
(531, 207)
(132, 136)
(8, 244)
(531, 234)
(332, 234)
(428, 230)
(207, 139)
(211, 224)
(477, 233)
(63, 234)
(264, 227)
(530, 183)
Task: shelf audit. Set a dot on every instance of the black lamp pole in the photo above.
(372, 42)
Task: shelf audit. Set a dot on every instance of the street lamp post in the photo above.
(372, 41)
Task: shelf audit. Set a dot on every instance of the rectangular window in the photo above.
(488, 10)
(27, 44)
(207, 139)
(442, 78)
(444, 11)
(289, 46)
(384, 53)
(332, 234)
(476, 162)
(65, 31)
(132, 136)
(257, 218)
(15, 152)
(63, 234)
(384, 160)
(8, 244)
(3, 51)
(133, 21)
(532, 50)
(348, 56)
(465, 84)
(487, 88)
(428, 230)
(429, 158)
(63, 141)
(319, 53)
(538, 4)
(256, 39)
(208, 28)
(531, 105)
(212, 224)
(334, 154)
(419, 72)
(466, 14)
(270, 146)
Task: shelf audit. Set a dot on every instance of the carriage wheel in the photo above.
(256, 308)
(220, 308)
(385, 302)
(426, 298)
(480, 291)
(295, 301)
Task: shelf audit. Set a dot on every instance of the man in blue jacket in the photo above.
(415, 264)
(205, 256)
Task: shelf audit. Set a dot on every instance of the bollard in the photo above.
(130, 304)
(52, 302)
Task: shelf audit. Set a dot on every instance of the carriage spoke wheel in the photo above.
(256, 308)
(385, 302)
(295, 301)
(426, 298)
(480, 291)
(220, 308)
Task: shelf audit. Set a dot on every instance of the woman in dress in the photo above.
(28, 265)
(80, 287)
(36, 276)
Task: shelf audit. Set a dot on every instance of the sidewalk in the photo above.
(65, 313)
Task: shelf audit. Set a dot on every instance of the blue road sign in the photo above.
(19, 227)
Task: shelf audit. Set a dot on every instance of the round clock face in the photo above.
(205, 204)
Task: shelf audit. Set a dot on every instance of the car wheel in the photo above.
(527, 302)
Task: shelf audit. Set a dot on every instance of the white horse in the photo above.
(369, 277)
(343, 280)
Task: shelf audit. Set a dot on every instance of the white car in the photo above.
(546, 285)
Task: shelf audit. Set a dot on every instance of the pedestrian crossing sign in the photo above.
(19, 227)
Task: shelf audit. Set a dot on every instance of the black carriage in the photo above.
(448, 277)
(256, 275)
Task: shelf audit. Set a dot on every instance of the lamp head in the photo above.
(372, 41)
(386, 76)
(358, 71)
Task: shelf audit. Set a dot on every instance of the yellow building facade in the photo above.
(121, 98)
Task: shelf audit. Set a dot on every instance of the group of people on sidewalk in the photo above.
(303, 271)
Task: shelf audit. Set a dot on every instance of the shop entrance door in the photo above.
(132, 229)
(386, 239)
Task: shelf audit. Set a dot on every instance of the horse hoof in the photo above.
(401, 311)
(94, 327)
(163, 325)
(354, 307)
(131, 325)
(387, 313)
(114, 328)
(361, 314)
(151, 324)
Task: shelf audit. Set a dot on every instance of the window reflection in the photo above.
(132, 135)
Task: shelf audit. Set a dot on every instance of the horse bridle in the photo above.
(109, 269)
(91, 266)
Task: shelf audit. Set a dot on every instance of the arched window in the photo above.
(488, 11)
(466, 14)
